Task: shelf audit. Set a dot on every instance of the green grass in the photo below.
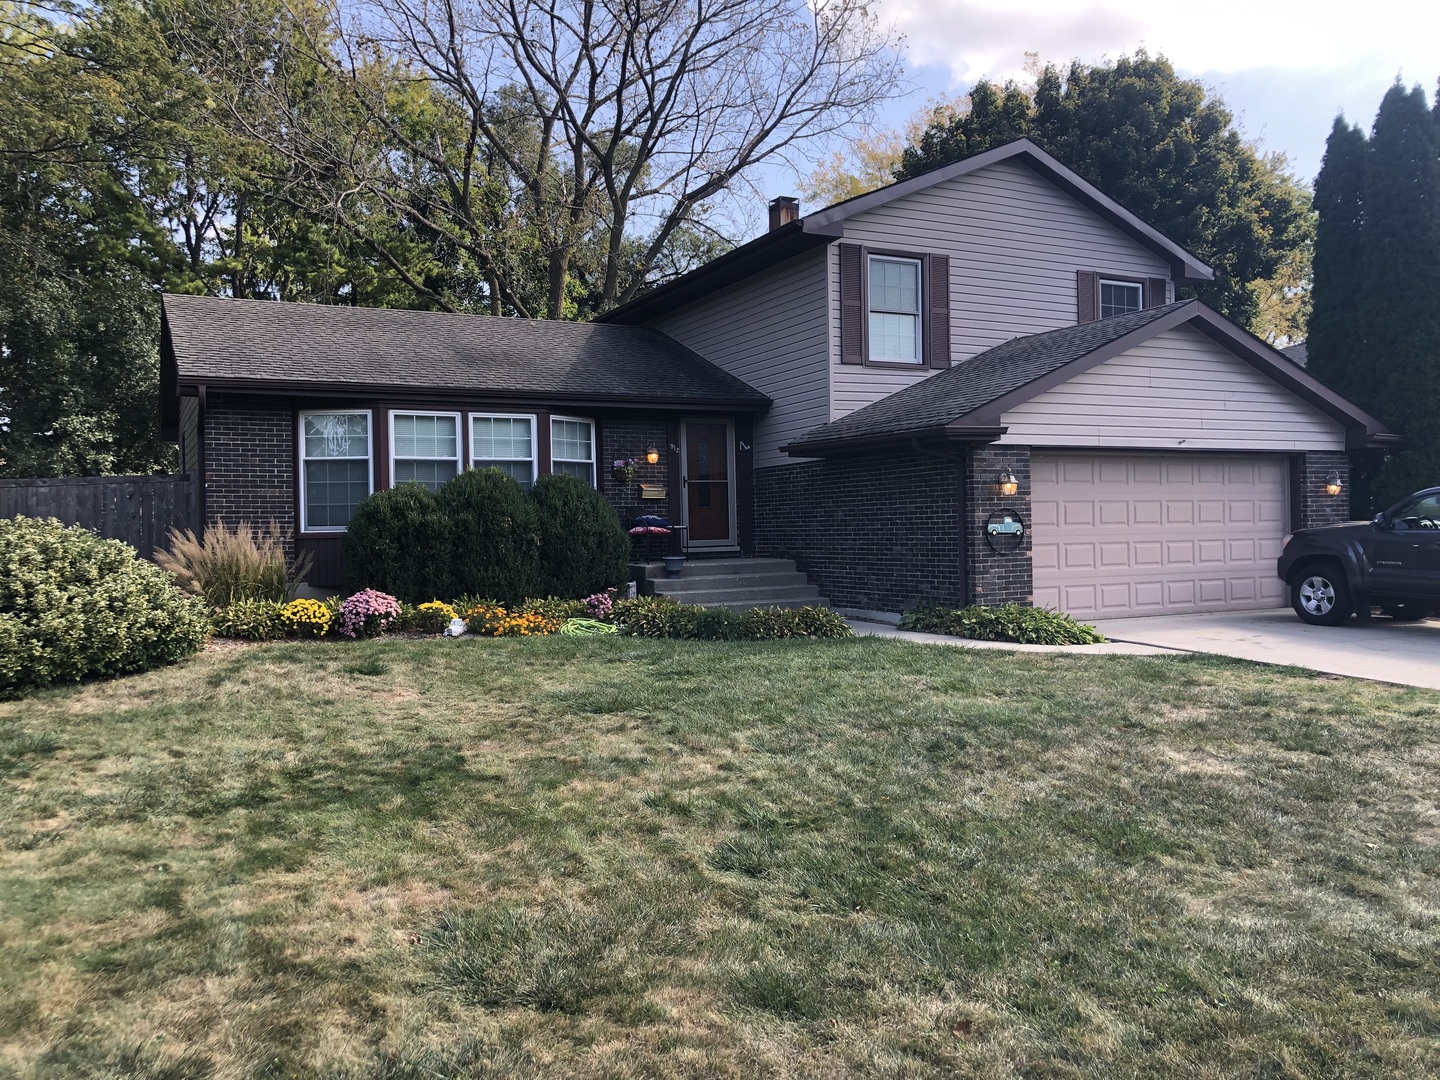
(616, 857)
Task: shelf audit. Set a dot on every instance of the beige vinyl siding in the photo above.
(1177, 390)
(770, 331)
(1015, 243)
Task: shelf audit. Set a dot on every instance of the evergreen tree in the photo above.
(1336, 338)
(1400, 318)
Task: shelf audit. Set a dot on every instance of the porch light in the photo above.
(1333, 484)
(652, 456)
(1007, 485)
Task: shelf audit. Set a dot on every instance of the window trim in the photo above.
(921, 361)
(594, 449)
(306, 529)
(471, 417)
(459, 457)
(1101, 280)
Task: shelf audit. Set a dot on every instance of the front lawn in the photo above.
(626, 858)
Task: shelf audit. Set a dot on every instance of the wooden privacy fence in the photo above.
(139, 510)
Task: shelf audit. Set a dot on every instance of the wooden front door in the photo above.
(708, 477)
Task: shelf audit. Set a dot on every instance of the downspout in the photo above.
(960, 464)
(200, 485)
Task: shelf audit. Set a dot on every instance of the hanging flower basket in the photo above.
(623, 469)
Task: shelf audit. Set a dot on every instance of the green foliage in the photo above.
(553, 609)
(1336, 339)
(709, 624)
(1025, 625)
(494, 544)
(230, 564)
(663, 617)
(649, 616)
(584, 548)
(251, 620)
(75, 606)
(1160, 145)
(395, 543)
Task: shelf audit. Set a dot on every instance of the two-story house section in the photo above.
(983, 390)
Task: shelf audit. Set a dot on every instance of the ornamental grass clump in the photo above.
(230, 564)
(76, 606)
(307, 618)
(368, 613)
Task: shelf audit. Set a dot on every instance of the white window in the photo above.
(572, 448)
(335, 468)
(894, 309)
(506, 443)
(1120, 297)
(424, 448)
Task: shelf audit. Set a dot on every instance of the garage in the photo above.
(1120, 534)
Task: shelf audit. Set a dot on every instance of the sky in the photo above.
(1285, 69)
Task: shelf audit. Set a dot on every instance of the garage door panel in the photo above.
(1157, 533)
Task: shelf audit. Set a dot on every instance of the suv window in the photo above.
(1423, 513)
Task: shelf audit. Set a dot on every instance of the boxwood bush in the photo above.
(584, 548)
(75, 606)
(1010, 622)
(493, 538)
(396, 542)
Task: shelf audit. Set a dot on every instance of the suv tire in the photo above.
(1320, 595)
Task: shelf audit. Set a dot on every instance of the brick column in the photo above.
(997, 579)
(1314, 507)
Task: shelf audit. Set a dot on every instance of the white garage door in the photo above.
(1157, 534)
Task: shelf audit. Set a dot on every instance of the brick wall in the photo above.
(1314, 506)
(629, 435)
(250, 461)
(880, 532)
(997, 578)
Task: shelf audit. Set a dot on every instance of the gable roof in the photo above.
(268, 346)
(823, 226)
(1298, 354)
(967, 401)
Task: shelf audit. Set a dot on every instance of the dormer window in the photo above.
(894, 310)
(1120, 297)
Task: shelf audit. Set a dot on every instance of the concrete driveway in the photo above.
(1405, 653)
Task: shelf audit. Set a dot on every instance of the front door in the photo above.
(708, 479)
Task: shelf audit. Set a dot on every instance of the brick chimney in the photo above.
(783, 211)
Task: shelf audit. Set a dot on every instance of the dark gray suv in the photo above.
(1392, 563)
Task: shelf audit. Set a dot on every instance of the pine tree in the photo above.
(1401, 321)
(1336, 341)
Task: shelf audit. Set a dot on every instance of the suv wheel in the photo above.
(1321, 597)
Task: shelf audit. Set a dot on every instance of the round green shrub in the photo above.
(396, 543)
(584, 548)
(494, 543)
(76, 606)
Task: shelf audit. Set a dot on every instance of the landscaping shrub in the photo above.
(74, 606)
(584, 548)
(1025, 625)
(251, 620)
(660, 616)
(243, 563)
(396, 542)
(495, 620)
(773, 623)
(709, 624)
(307, 618)
(433, 616)
(553, 609)
(648, 616)
(494, 547)
(368, 614)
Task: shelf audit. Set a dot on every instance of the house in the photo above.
(974, 385)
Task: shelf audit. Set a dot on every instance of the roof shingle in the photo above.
(218, 340)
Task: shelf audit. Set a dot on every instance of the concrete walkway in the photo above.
(1383, 650)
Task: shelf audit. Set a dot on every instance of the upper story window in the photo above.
(424, 448)
(894, 310)
(504, 442)
(335, 468)
(572, 448)
(1120, 297)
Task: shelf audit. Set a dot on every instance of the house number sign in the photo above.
(1004, 531)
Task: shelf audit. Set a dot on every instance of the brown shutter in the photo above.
(937, 314)
(852, 304)
(1087, 289)
(1155, 292)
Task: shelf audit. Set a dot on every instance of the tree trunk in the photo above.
(559, 273)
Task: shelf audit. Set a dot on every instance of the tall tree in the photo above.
(1336, 337)
(1160, 145)
(1400, 316)
(561, 127)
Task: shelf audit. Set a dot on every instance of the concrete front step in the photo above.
(775, 580)
(720, 568)
(751, 597)
(734, 583)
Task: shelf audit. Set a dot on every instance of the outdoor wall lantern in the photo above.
(1333, 485)
(652, 456)
(1007, 485)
